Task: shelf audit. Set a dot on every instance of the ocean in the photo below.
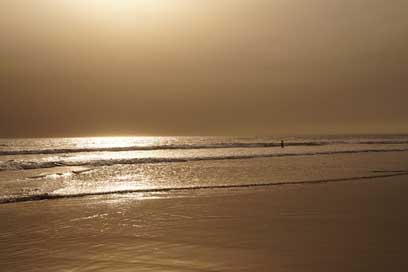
(39, 169)
(326, 203)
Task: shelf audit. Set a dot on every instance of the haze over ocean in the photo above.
(236, 67)
(229, 135)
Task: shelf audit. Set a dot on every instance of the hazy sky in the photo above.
(203, 67)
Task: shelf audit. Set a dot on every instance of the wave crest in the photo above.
(154, 147)
(193, 146)
(50, 196)
(29, 165)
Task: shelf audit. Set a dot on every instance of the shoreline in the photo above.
(284, 228)
(42, 197)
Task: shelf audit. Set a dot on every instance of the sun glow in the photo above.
(125, 14)
(124, 7)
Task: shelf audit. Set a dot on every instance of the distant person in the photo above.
(283, 144)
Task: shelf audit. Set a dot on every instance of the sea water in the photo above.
(39, 169)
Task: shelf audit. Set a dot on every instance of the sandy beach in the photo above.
(319, 227)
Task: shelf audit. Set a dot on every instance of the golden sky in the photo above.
(203, 67)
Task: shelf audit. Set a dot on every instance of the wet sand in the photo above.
(348, 226)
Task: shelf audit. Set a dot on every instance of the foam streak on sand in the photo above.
(194, 188)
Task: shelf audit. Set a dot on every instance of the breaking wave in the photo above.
(155, 147)
(193, 146)
(28, 165)
(50, 196)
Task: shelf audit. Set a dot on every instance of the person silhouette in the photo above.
(282, 144)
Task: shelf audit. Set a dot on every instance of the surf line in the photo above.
(110, 162)
(48, 196)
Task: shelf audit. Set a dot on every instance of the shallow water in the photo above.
(51, 168)
(337, 206)
(348, 226)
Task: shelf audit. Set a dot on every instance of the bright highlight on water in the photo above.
(36, 169)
